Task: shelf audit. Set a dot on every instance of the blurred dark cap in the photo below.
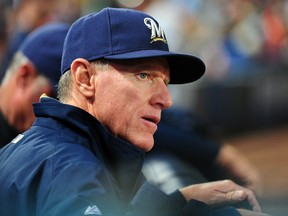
(43, 47)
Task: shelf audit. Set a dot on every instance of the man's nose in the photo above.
(162, 97)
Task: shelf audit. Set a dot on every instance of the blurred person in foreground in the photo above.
(35, 70)
(187, 152)
(84, 153)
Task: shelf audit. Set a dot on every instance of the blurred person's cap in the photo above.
(43, 47)
(126, 34)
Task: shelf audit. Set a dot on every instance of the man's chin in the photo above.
(147, 143)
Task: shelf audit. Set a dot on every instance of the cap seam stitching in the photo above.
(110, 30)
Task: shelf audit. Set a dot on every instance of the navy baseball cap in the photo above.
(120, 34)
(43, 47)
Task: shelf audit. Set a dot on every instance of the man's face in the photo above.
(130, 96)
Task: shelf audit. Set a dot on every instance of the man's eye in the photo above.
(143, 75)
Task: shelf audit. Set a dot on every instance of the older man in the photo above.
(84, 153)
(34, 70)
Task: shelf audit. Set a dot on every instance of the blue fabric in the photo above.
(44, 47)
(69, 164)
(189, 145)
(66, 163)
(12, 46)
(126, 34)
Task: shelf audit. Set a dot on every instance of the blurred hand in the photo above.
(239, 169)
(244, 212)
(220, 193)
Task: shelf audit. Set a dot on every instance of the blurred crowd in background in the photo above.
(244, 44)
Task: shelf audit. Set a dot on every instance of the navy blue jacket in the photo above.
(67, 163)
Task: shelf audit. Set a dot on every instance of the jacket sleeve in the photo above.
(82, 187)
(150, 201)
(78, 193)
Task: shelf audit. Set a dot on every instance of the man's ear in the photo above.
(83, 75)
(25, 75)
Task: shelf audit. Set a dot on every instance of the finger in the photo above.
(240, 195)
(253, 202)
(236, 196)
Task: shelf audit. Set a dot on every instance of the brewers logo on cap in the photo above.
(157, 33)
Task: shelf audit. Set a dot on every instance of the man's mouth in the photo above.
(152, 119)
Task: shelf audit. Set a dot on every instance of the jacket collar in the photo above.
(121, 157)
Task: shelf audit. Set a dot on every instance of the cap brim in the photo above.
(183, 68)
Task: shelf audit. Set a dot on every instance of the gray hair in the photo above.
(18, 59)
(65, 82)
